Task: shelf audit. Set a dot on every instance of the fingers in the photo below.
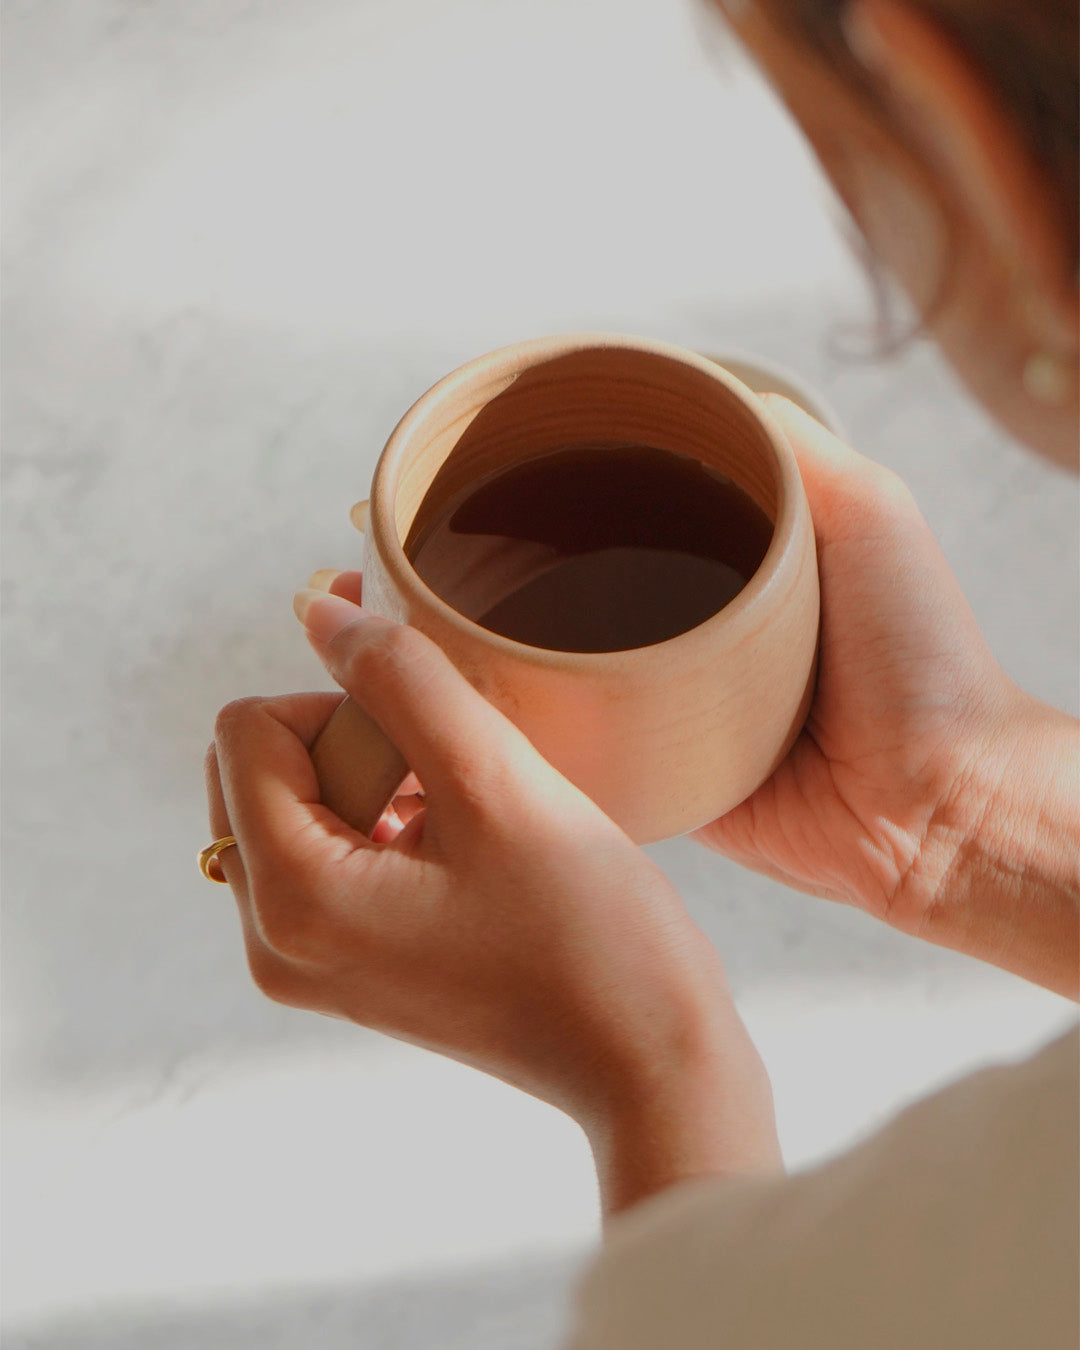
(305, 884)
(267, 969)
(304, 714)
(228, 862)
(219, 816)
(455, 741)
(391, 824)
(407, 805)
(846, 491)
(882, 571)
(268, 786)
(349, 585)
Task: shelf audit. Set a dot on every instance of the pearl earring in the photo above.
(1048, 379)
(1049, 375)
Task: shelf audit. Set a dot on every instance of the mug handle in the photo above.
(359, 769)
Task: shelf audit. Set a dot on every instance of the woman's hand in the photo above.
(926, 787)
(508, 924)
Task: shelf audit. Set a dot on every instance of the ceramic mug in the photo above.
(765, 376)
(664, 738)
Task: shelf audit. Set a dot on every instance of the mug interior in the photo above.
(491, 415)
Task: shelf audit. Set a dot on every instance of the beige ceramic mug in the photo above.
(663, 738)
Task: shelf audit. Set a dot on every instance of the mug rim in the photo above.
(502, 366)
(765, 370)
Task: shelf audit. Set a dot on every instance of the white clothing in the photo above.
(957, 1226)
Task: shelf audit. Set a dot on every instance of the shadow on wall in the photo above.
(520, 1307)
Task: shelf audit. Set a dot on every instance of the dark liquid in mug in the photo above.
(593, 549)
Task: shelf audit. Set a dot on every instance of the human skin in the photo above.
(510, 925)
(926, 788)
(945, 192)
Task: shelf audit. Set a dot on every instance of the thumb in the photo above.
(847, 492)
(879, 561)
(449, 734)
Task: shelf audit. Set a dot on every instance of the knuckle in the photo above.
(486, 792)
(269, 975)
(876, 501)
(290, 923)
(890, 488)
(382, 659)
(234, 717)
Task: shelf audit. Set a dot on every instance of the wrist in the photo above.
(1009, 885)
(705, 1110)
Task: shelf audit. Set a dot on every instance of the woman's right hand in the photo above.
(926, 788)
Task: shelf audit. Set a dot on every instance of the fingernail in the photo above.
(323, 579)
(325, 615)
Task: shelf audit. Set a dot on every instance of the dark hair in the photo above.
(1026, 50)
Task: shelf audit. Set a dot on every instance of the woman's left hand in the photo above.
(509, 924)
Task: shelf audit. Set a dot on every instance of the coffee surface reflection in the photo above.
(593, 548)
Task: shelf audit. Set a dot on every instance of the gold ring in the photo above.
(211, 851)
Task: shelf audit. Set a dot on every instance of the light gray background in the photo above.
(241, 239)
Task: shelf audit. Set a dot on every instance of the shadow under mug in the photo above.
(664, 738)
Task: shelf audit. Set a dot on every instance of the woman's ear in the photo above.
(965, 133)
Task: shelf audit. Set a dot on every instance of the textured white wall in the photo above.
(241, 238)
